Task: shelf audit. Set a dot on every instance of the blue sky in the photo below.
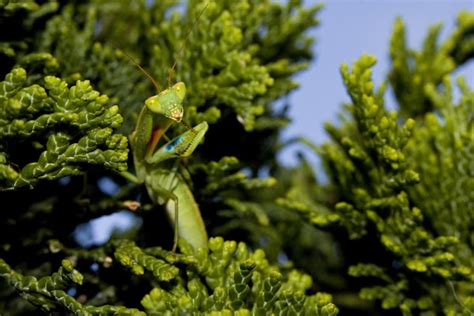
(348, 29)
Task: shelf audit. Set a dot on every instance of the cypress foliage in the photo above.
(389, 232)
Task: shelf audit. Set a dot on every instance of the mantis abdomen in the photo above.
(190, 224)
(169, 190)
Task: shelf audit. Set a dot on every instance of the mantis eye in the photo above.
(180, 89)
(153, 103)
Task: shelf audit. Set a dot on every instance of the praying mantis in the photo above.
(165, 186)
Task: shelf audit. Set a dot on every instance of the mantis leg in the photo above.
(130, 177)
(166, 138)
(163, 194)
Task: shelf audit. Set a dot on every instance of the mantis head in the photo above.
(169, 102)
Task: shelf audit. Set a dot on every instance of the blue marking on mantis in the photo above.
(170, 146)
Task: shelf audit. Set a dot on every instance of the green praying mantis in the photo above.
(167, 187)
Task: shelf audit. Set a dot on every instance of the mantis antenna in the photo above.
(157, 86)
(183, 44)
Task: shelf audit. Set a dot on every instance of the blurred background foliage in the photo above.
(389, 232)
